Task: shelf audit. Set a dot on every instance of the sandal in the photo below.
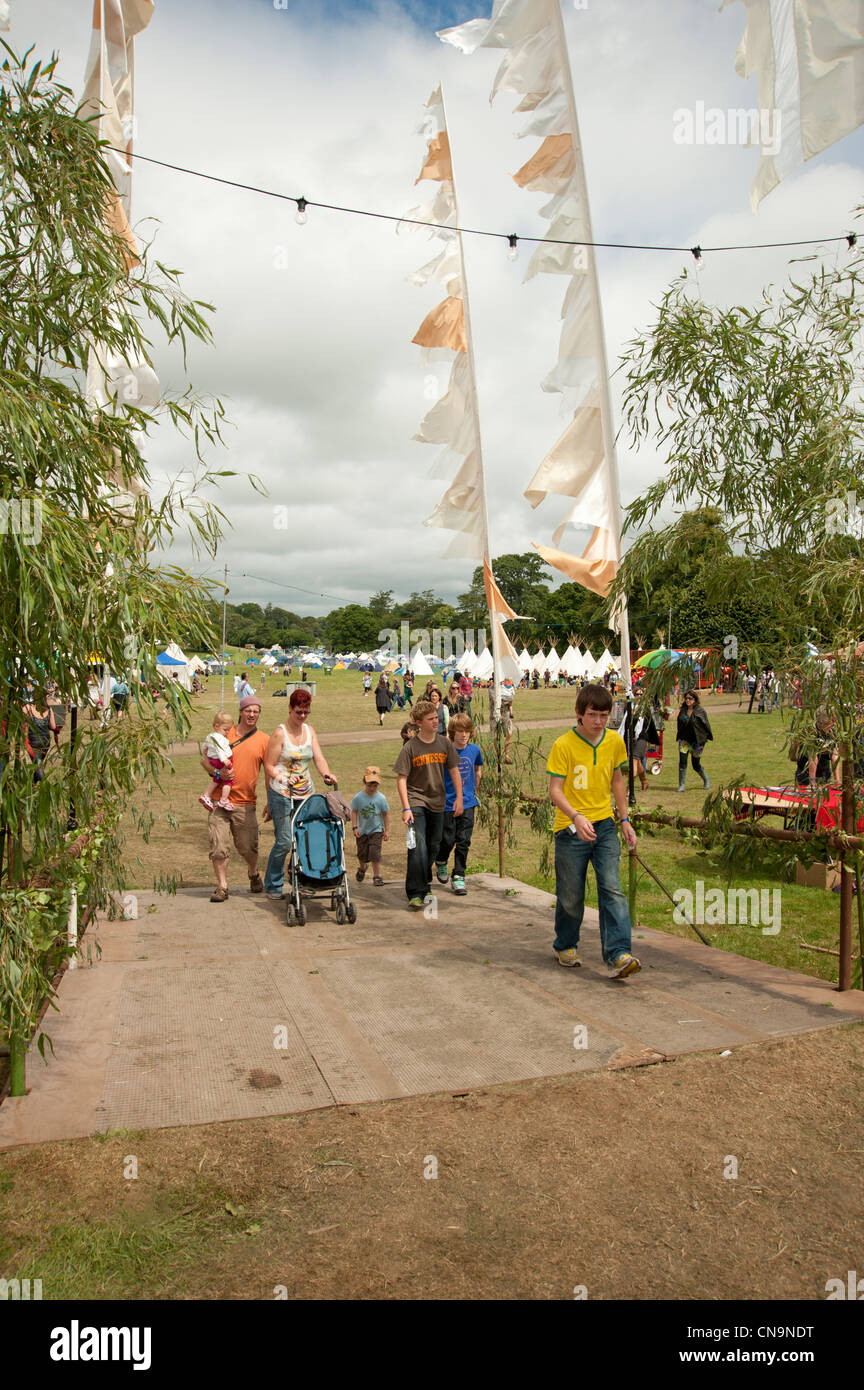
(220, 896)
(378, 882)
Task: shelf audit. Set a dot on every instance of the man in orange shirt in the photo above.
(240, 824)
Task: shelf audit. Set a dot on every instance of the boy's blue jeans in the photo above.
(457, 832)
(572, 857)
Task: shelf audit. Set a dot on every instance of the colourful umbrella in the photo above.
(661, 657)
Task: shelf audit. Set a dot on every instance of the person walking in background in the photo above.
(645, 731)
(466, 690)
(441, 709)
(367, 684)
(693, 732)
(382, 699)
(245, 690)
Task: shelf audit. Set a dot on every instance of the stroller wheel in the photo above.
(301, 916)
(341, 915)
(352, 913)
(289, 914)
(656, 768)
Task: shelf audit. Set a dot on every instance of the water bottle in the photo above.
(411, 837)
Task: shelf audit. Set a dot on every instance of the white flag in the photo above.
(808, 56)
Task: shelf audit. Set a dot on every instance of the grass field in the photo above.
(347, 725)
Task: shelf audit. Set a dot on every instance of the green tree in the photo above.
(88, 586)
(758, 414)
(352, 628)
(381, 606)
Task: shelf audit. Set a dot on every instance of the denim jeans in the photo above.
(427, 827)
(457, 832)
(282, 810)
(572, 857)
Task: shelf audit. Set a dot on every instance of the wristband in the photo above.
(622, 820)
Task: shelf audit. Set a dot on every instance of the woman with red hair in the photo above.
(292, 750)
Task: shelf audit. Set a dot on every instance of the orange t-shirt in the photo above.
(248, 760)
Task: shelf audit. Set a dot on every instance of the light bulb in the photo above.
(513, 253)
(300, 219)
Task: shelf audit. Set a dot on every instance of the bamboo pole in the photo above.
(844, 978)
(17, 1064)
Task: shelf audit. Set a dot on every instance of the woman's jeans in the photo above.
(696, 760)
(282, 810)
(572, 857)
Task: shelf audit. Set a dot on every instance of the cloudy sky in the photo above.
(313, 355)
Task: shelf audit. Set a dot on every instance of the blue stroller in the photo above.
(318, 862)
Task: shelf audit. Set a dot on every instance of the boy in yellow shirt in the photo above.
(586, 769)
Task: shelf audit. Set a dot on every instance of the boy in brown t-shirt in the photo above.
(419, 772)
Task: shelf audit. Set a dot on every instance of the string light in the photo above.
(303, 203)
(513, 253)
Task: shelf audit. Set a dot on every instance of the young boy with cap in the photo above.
(370, 821)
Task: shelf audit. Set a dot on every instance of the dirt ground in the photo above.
(620, 1182)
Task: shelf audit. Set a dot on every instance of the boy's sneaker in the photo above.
(570, 957)
(459, 887)
(624, 965)
(360, 874)
(442, 874)
(415, 904)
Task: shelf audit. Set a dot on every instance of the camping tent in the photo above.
(570, 663)
(419, 665)
(484, 666)
(553, 663)
(168, 666)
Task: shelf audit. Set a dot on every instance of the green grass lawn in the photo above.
(743, 744)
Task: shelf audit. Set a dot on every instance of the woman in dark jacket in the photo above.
(382, 698)
(694, 731)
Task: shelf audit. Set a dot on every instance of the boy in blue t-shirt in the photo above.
(459, 829)
(370, 821)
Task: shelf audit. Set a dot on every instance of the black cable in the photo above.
(696, 251)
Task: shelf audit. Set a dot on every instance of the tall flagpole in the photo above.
(475, 405)
(622, 616)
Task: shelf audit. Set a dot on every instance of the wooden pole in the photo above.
(847, 821)
(17, 1063)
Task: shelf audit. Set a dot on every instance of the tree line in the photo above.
(682, 587)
